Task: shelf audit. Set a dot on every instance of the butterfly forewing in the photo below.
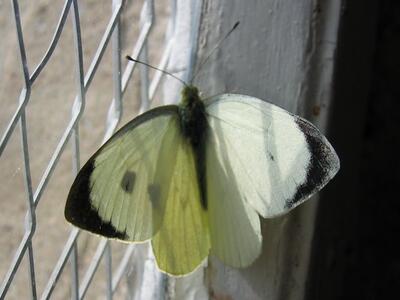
(278, 160)
(119, 193)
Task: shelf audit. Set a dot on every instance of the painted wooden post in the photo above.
(283, 52)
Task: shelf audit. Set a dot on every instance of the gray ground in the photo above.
(48, 112)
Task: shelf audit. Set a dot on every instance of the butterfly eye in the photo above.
(128, 181)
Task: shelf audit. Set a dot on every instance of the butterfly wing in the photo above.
(119, 193)
(142, 184)
(268, 161)
(234, 225)
(182, 242)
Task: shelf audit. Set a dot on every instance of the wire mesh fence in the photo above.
(49, 259)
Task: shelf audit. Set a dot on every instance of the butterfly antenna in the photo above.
(214, 49)
(157, 69)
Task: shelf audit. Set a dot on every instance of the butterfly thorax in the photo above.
(192, 116)
(194, 126)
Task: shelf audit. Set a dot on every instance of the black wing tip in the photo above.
(322, 167)
(79, 212)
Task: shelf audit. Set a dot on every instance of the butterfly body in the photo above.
(194, 128)
(194, 178)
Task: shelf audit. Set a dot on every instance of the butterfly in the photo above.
(195, 178)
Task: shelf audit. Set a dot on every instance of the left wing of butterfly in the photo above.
(142, 184)
(261, 160)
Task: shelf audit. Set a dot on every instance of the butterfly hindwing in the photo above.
(119, 193)
(234, 225)
(182, 242)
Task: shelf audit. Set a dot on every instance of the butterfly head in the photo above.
(190, 96)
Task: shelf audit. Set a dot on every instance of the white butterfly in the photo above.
(194, 178)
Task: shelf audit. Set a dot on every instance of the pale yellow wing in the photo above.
(182, 242)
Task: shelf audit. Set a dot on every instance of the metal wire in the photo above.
(69, 253)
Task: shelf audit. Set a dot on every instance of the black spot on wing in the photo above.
(319, 166)
(128, 181)
(270, 156)
(80, 212)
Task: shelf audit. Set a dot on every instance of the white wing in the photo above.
(275, 160)
(259, 159)
(234, 225)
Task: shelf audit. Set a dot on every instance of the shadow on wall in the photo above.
(355, 254)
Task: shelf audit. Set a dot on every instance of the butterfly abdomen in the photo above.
(194, 129)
